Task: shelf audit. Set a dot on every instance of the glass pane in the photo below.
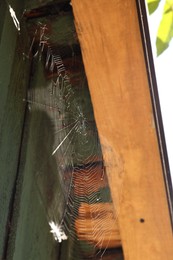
(65, 188)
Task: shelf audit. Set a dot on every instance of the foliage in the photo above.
(152, 5)
(165, 30)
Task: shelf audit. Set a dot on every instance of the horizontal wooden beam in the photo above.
(97, 224)
(113, 56)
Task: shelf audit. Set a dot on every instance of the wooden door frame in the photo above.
(145, 35)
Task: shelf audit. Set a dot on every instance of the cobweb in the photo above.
(68, 164)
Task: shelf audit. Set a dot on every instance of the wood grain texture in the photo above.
(114, 61)
(97, 219)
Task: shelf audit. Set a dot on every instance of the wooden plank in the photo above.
(89, 227)
(114, 61)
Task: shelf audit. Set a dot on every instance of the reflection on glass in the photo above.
(63, 152)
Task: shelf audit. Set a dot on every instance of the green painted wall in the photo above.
(24, 230)
(12, 89)
(30, 4)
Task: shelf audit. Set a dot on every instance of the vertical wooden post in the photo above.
(114, 61)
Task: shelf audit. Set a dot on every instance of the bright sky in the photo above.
(164, 74)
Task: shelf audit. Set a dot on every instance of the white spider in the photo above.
(57, 232)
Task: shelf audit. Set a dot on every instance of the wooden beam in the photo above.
(97, 225)
(113, 56)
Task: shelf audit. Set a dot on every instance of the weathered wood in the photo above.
(114, 61)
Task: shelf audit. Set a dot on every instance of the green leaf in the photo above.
(165, 31)
(161, 46)
(152, 5)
